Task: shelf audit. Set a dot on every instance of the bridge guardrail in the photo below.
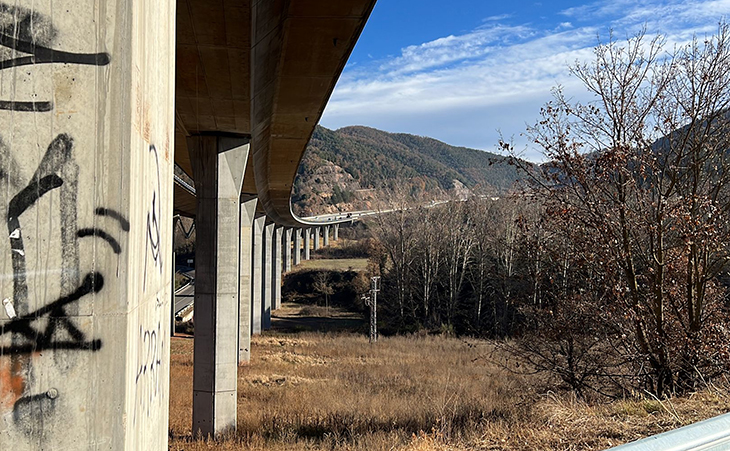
(708, 435)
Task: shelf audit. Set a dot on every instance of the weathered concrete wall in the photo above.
(86, 130)
(287, 248)
(278, 250)
(248, 210)
(218, 165)
(257, 274)
(297, 246)
(307, 242)
(267, 286)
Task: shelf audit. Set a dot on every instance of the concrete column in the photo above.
(326, 235)
(267, 293)
(276, 303)
(297, 246)
(287, 249)
(307, 242)
(316, 238)
(336, 233)
(218, 167)
(257, 275)
(248, 209)
(86, 183)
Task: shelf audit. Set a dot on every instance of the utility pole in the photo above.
(372, 302)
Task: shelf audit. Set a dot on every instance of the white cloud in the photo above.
(461, 89)
(497, 18)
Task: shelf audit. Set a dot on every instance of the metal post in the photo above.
(372, 302)
(374, 313)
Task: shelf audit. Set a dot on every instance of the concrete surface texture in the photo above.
(316, 231)
(326, 235)
(336, 232)
(248, 209)
(297, 246)
(86, 149)
(277, 281)
(266, 69)
(287, 248)
(257, 274)
(218, 165)
(307, 243)
(267, 284)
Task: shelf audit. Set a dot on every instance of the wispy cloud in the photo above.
(497, 18)
(463, 88)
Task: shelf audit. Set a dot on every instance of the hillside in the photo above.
(343, 169)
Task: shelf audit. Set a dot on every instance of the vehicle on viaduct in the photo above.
(99, 100)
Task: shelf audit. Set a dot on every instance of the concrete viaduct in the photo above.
(99, 99)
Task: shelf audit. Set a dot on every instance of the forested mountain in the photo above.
(343, 169)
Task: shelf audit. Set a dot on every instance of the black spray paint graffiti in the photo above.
(154, 214)
(48, 177)
(26, 39)
(150, 355)
(23, 31)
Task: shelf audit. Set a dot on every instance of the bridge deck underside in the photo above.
(262, 68)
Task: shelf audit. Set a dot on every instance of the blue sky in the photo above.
(461, 71)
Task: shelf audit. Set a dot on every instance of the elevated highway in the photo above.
(264, 70)
(99, 100)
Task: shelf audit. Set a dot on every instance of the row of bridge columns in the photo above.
(240, 260)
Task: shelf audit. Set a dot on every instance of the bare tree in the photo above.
(393, 230)
(458, 241)
(644, 170)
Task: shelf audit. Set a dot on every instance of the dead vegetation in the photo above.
(316, 391)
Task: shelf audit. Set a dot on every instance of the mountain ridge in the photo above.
(340, 165)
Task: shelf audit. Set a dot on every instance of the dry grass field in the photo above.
(339, 264)
(335, 391)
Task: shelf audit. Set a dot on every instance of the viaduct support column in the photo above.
(257, 276)
(248, 209)
(316, 238)
(307, 242)
(326, 235)
(218, 165)
(267, 293)
(336, 233)
(297, 246)
(287, 249)
(277, 267)
(86, 182)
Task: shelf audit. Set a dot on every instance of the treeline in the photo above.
(611, 271)
(461, 267)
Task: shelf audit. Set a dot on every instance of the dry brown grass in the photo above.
(316, 391)
(334, 264)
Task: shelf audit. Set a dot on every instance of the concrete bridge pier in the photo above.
(248, 210)
(218, 165)
(257, 276)
(326, 235)
(336, 232)
(278, 248)
(307, 242)
(267, 286)
(297, 246)
(87, 210)
(287, 248)
(316, 238)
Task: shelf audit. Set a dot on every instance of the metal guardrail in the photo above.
(185, 185)
(708, 435)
